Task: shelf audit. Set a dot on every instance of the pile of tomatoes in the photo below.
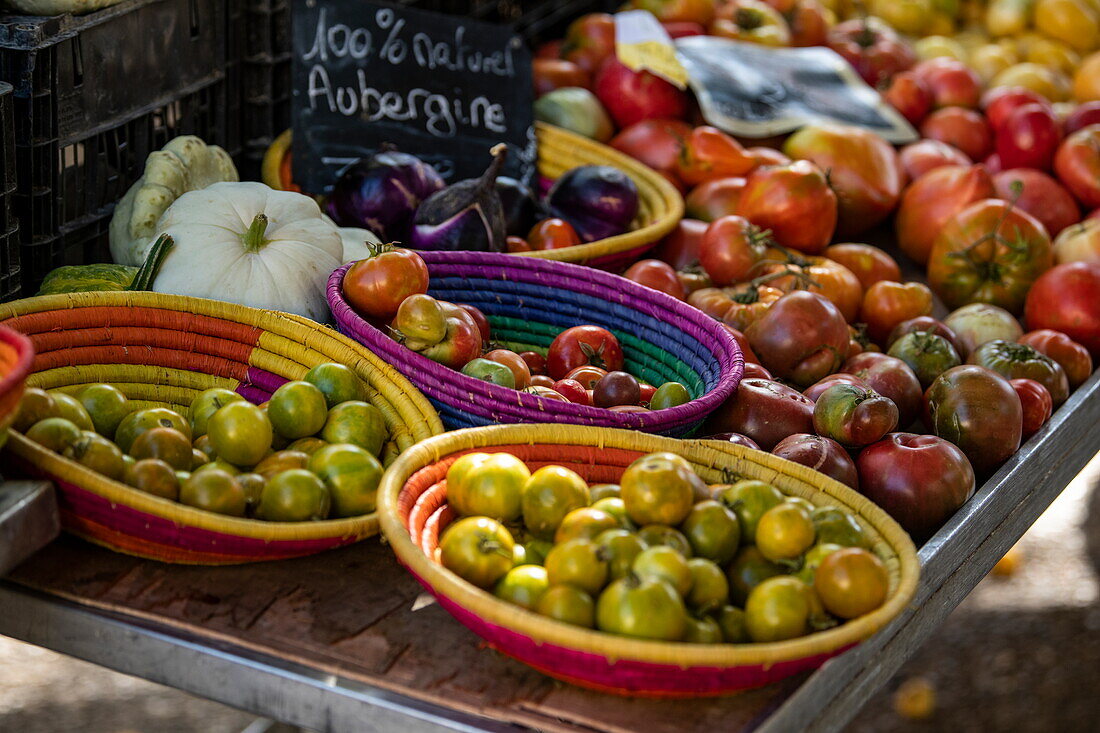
(583, 365)
(309, 453)
(661, 555)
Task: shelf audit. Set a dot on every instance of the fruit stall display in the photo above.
(853, 344)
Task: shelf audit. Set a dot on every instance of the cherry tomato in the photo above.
(658, 276)
(573, 390)
(581, 346)
(616, 388)
(1036, 403)
(552, 234)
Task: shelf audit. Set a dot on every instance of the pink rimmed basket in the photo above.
(528, 302)
(413, 513)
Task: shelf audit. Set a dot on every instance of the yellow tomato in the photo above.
(935, 46)
(1070, 21)
(972, 38)
(940, 24)
(1051, 84)
(905, 16)
(1086, 83)
(1054, 54)
(1008, 17)
(991, 60)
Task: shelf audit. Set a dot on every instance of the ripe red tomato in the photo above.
(795, 202)
(1036, 402)
(872, 47)
(1067, 298)
(768, 156)
(920, 157)
(553, 233)
(482, 323)
(542, 380)
(802, 337)
(1082, 115)
(962, 128)
(551, 74)
(1028, 137)
(589, 40)
(731, 248)
(588, 376)
(952, 83)
(632, 96)
(376, 286)
(1000, 102)
(910, 96)
(1039, 195)
(976, 409)
(765, 411)
(821, 454)
(573, 390)
(933, 200)
(714, 199)
(657, 143)
(680, 247)
(710, 154)
(886, 304)
(1072, 356)
(517, 244)
(743, 343)
(1077, 164)
(891, 378)
(583, 346)
(869, 264)
(658, 276)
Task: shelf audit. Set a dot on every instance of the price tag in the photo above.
(641, 42)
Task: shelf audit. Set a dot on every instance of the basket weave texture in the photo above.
(16, 354)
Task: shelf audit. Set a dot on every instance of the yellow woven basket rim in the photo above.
(570, 150)
(425, 424)
(545, 630)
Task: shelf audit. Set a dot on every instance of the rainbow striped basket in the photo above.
(162, 350)
(528, 302)
(413, 508)
(16, 354)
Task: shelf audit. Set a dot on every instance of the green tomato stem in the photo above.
(253, 239)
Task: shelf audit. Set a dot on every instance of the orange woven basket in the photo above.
(413, 509)
(16, 355)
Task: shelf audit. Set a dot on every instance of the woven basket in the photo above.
(162, 350)
(529, 302)
(412, 508)
(16, 354)
(660, 205)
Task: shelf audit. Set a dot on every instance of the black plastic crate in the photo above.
(94, 95)
(9, 228)
(262, 33)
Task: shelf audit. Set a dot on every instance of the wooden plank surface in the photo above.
(349, 613)
(28, 520)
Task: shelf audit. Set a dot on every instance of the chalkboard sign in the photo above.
(751, 90)
(445, 88)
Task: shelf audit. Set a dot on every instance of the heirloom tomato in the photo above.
(589, 40)
(657, 143)
(802, 337)
(677, 11)
(764, 411)
(869, 264)
(587, 375)
(1067, 299)
(714, 199)
(482, 322)
(791, 271)
(951, 82)
(551, 74)
(872, 47)
(886, 304)
(633, 96)
(731, 249)
(777, 609)
(909, 95)
(583, 346)
(795, 202)
(976, 409)
(854, 416)
(977, 323)
(658, 489)
(1077, 164)
(814, 390)
(890, 377)
(1028, 137)
(927, 354)
(1019, 361)
(478, 550)
(515, 363)
(961, 128)
(1039, 195)
(648, 609)
(376, 286)
(656, 275)
(934, 199)
(680, 247)
(739, 305)
(925, 155)
(1070, 355)
(752, 21)
(1078, 243)
(709, 154)
(821, 454)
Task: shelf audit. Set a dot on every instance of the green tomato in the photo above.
(478, 550)
(669, 394)
(490, 371)
(523, 586)
(643, 608)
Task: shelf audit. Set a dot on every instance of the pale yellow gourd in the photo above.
(185, 164)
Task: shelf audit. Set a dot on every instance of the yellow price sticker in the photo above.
(641, 42)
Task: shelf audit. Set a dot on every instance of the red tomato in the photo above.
(765, 411)
(553, 234)
(768, 156)
(743, 343)
(756, 371)
(951, 82)
(1077, 164)
(910, 96)
(886, 304)
(869, 264)
(891, 378)
(732, 247)
(872, 47)
(376, 286)
(632, 96)
(964, 129)
(515, 363)
(714, 199)
(933, 200)
(587, 376)
(821, 454)
(656, 275)
(547, 392)
(657, 143)
(536, 362)
(541, 380)
(1000, 102)
(517, 244)
(1082, 115)
(1067, 298)
(549, 49)
(1036, 402)
(801, 337)
(680, 247)
(1070, 355)
(645, 394)
(1028, 137)
(481, 321)
(795, 202)
(976, 409)
(993, 163)
(814, 390)
(920, 157)
(583, 346)
(1039, 195)
(573, 390)
(710, 154)
(551, 74)
(589, 40)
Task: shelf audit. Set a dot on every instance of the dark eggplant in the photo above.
(598, 200)
(382, 193)
(467, 215)
(520, 207)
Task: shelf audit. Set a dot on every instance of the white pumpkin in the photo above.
(247, 243)
(355, 243)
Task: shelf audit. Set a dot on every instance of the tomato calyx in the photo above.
(594, 356)
(748, 18)
(374, 249)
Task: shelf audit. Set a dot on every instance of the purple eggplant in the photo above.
(467, 215)
(520, 207)
(382, 193)
(598, 200)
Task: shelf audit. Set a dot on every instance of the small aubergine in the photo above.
(598, 200)
(520, 207)
(467, 215)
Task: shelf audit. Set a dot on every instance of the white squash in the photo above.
(246, 243)
(185, 164)
(355, 243)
